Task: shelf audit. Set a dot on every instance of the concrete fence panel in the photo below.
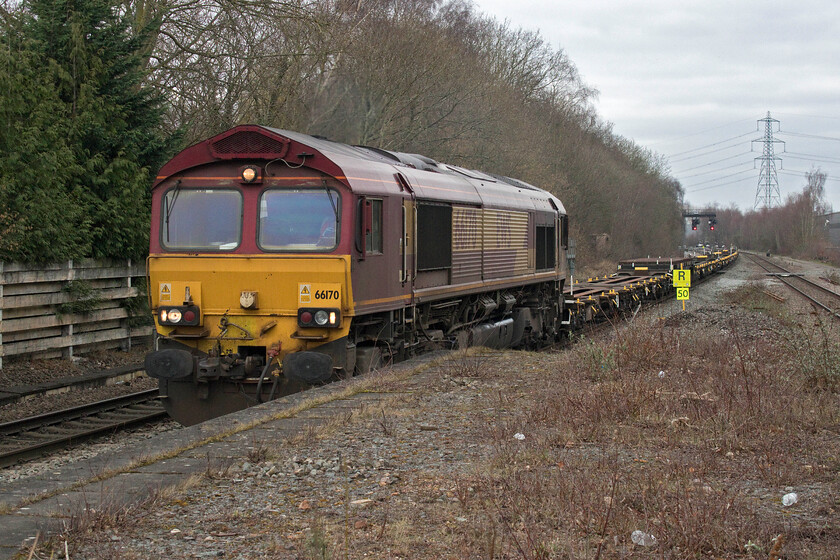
(48, 311)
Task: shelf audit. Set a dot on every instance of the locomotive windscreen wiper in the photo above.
(168, 206)
(332, 202)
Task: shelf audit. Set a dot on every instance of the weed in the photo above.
(317, 543)
(83, 298)
(385, 424)
(598, 358)
(217, 469)
(258, 451)
(815, 353)
(471, 363)
(137, 307)
(464, 490)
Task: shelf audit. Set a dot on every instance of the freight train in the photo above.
(280, 260)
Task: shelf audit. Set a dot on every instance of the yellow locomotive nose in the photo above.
(248, 318)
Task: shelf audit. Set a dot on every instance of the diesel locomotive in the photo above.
(280, 260)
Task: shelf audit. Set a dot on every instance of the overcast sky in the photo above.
(690, 79)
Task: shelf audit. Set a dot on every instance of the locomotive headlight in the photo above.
(249, 174)
(182, 316)
(314, 317)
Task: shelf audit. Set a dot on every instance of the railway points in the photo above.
(821, 297)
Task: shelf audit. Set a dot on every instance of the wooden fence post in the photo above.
(2, 281)
(67, 330)
(126, 343)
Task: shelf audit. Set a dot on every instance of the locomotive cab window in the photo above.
(299, 219)
(205, 219)
(373, 241)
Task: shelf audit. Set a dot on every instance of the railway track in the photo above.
(32, 437)
(11, 394)
(820, 296)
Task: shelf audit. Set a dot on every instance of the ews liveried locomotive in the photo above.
(279, 260)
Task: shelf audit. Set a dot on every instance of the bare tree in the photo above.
(223, 62)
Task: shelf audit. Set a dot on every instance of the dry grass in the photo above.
(666, 429)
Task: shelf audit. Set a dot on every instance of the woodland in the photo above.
(95, 95)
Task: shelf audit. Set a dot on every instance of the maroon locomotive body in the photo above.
(297, 259)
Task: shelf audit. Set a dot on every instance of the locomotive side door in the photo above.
(408, 245)
(408, 238)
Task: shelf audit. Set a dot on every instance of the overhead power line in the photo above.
(807, 157)
(705, 153)
(720, 169)
(713, 144)
(802, 135)
(714, 162)
(719, 178)
(722, 163)
(821, 117)
(797, 173)
(701, 131)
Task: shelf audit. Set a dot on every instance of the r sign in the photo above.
(682, 278)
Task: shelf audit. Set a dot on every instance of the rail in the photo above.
(818, 295)
(24, 439)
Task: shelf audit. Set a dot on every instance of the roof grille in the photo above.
(249, 144)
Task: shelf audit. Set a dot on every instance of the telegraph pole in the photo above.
(767, 191)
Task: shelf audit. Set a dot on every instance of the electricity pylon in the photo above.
(767, 191)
